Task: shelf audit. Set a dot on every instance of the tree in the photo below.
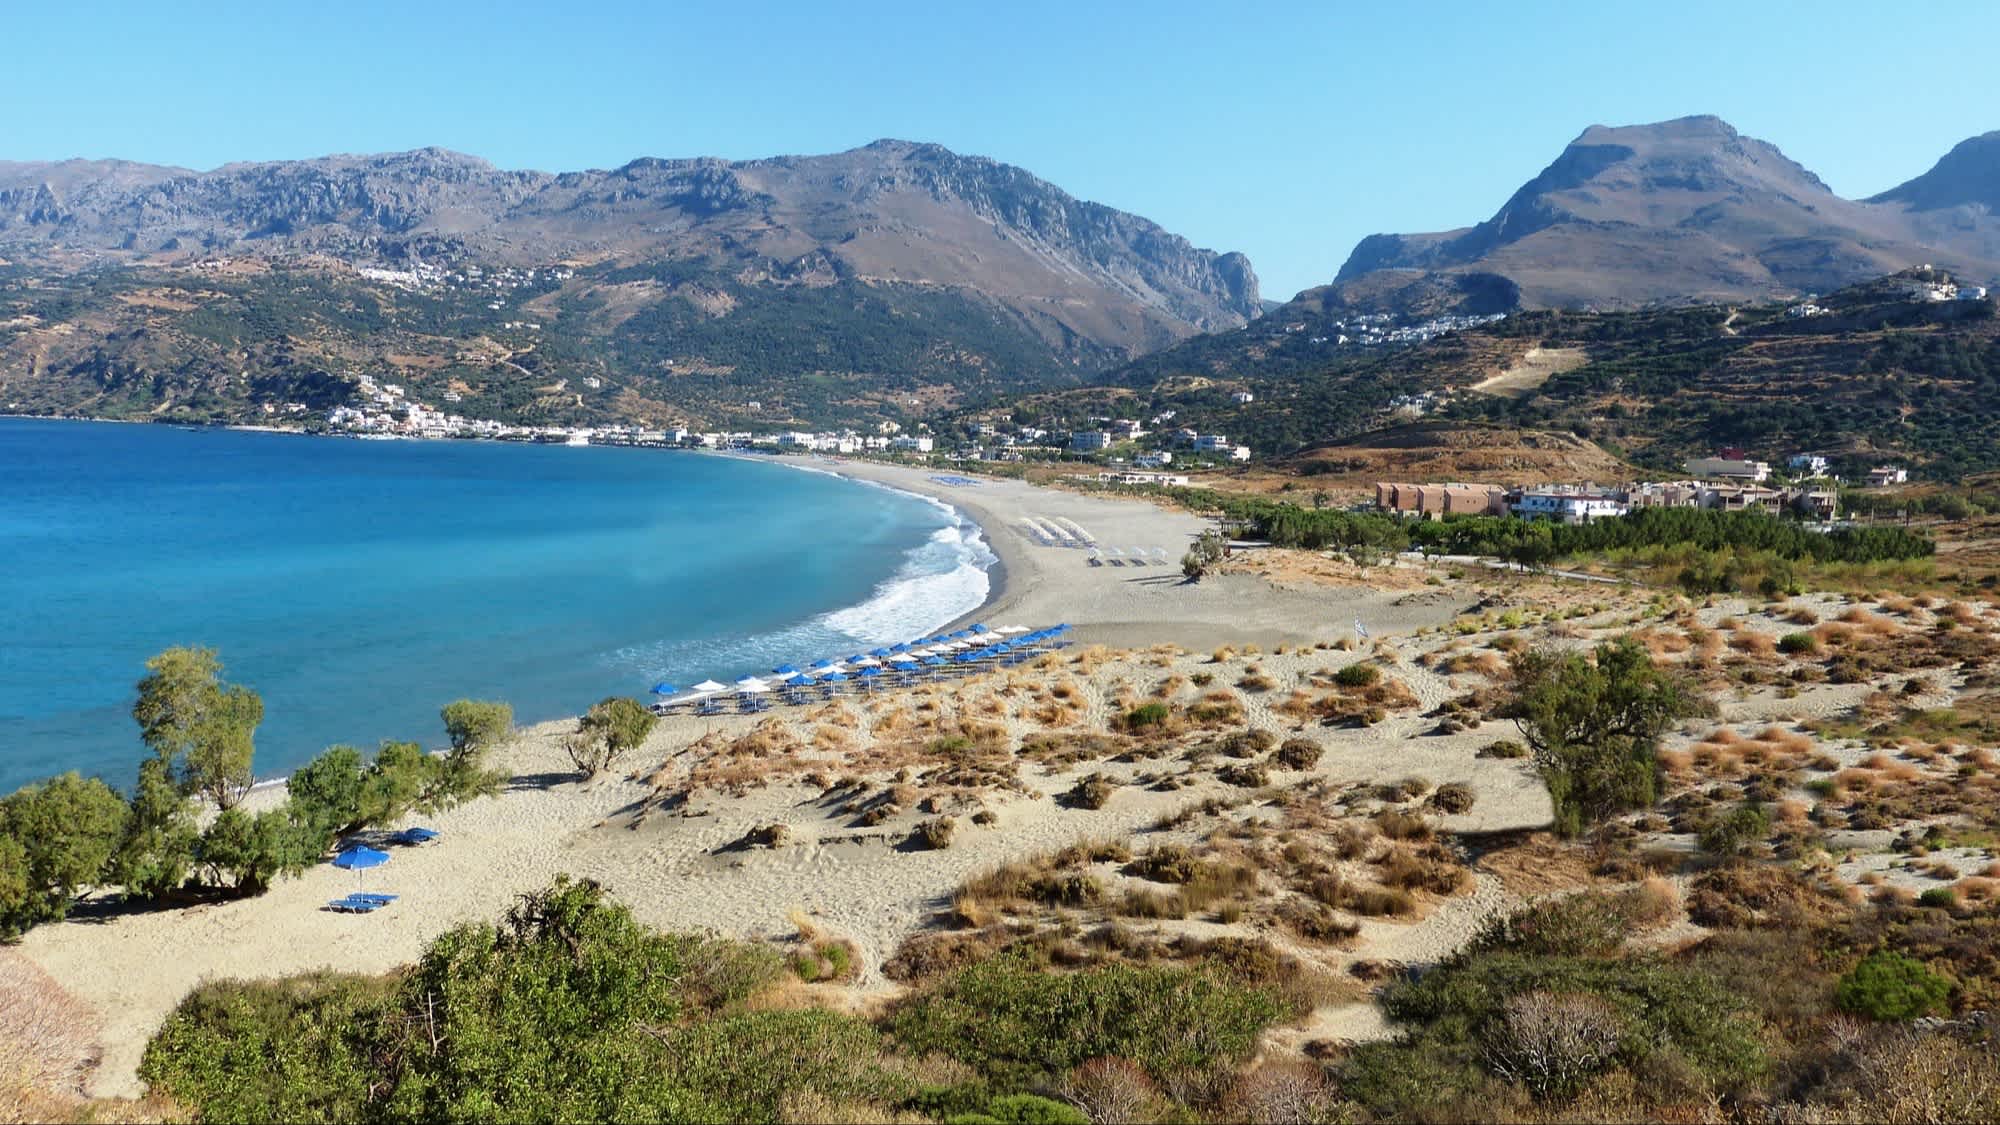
(399, 780)
(610, 728)
(326, 793)
(1594, 723)
(1206, 551)
(198, 724)
(66, 829)
(474, 725)
(250, 851)
(158, 852)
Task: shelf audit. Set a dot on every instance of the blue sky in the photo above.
(1285, 131)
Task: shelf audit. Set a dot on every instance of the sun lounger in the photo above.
(355, 904)
(415, 836)
(383, 897)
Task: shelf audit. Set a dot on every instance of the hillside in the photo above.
(1875, 375)
(1691, 210)
(895, 272)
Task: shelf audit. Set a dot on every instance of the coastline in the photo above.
(685, 865)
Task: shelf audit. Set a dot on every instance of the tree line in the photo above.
(61, 837)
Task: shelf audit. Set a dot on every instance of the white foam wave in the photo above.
(940, 580)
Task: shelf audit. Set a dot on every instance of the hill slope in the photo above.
(892, 267)
(1692, 210)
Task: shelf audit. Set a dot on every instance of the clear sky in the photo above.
(1285, 131)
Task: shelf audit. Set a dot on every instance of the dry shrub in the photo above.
(48, 1041)
(1111, 1090)
(1870, 624)
(1454, 798)
(1283, 1093)
(1220, 707)
(1431, 869)
(1552, 1042)
(1397, 825)
(1758, 646)
(1318, 922)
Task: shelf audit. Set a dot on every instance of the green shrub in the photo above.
(1022, 1109)
(57, 838)
(1147, 715)
(286, 1050)
(1016, 1023)
(1793, 644)
(1299, 754)
(1504, 748)
(1584, 924)
(1736, 831)
(1943, 898)
(1890, 986)
(1357, 675)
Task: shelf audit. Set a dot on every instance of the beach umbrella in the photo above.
(981, 629)
(785, 670)
(708, 686)
(358, 859)
(904, 647)
(1010, 630)
(754, 687)
(902, 665)
(664, 688)
(822, 662)
(878, 652)
(835, 677)
(801, 680)
(865, 662)
(856, 658)
(935, 662)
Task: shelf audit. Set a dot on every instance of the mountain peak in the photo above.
(1968, 175)
(1698, 128)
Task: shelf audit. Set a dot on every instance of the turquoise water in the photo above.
(360, 585)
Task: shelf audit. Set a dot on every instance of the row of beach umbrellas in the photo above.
(965, 646)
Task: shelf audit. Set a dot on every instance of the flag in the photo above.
(1360, 630)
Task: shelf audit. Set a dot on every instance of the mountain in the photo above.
(896, 270)
(1690, 210)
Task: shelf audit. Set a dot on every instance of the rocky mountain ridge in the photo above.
(1691, 210)
(889, 212)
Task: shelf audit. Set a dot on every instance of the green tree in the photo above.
(157, 855)
(610, 728)
(326, 793)
(67, 829)
(1593, 723)
(400, 779)
(474, 725)
(202, 726)
(1205, 552)
(250, 851)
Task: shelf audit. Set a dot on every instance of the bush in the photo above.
(1299, 754)
(1890, 986)
(288, 1050)
(1093, 792)
(1794, 644)
(1736, 831)
(1584, 924)
(1358, 676)
(1505, 748)
(1454, 798)
(937, 832)
(1017, 1024)
(1022, 1109)
(1147, 715)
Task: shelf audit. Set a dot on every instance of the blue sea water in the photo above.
(360, 585)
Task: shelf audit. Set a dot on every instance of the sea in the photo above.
(358, 586)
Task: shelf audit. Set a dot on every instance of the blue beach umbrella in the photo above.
(902, 665)
(835, 677)
(785, 670)
(358, 859)
(822, 662)
(802, 680)
(664, 688)
(981, 629)
(878, 652)
(936, 661)
(904, 647)
(857, 656)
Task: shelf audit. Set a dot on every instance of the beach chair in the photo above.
(383, 897)
(355, 904)
(415, 836)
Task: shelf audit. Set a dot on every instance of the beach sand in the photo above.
(690, 867)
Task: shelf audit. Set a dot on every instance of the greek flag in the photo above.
(1360, 630)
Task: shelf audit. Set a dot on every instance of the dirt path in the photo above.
(1534, 369)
